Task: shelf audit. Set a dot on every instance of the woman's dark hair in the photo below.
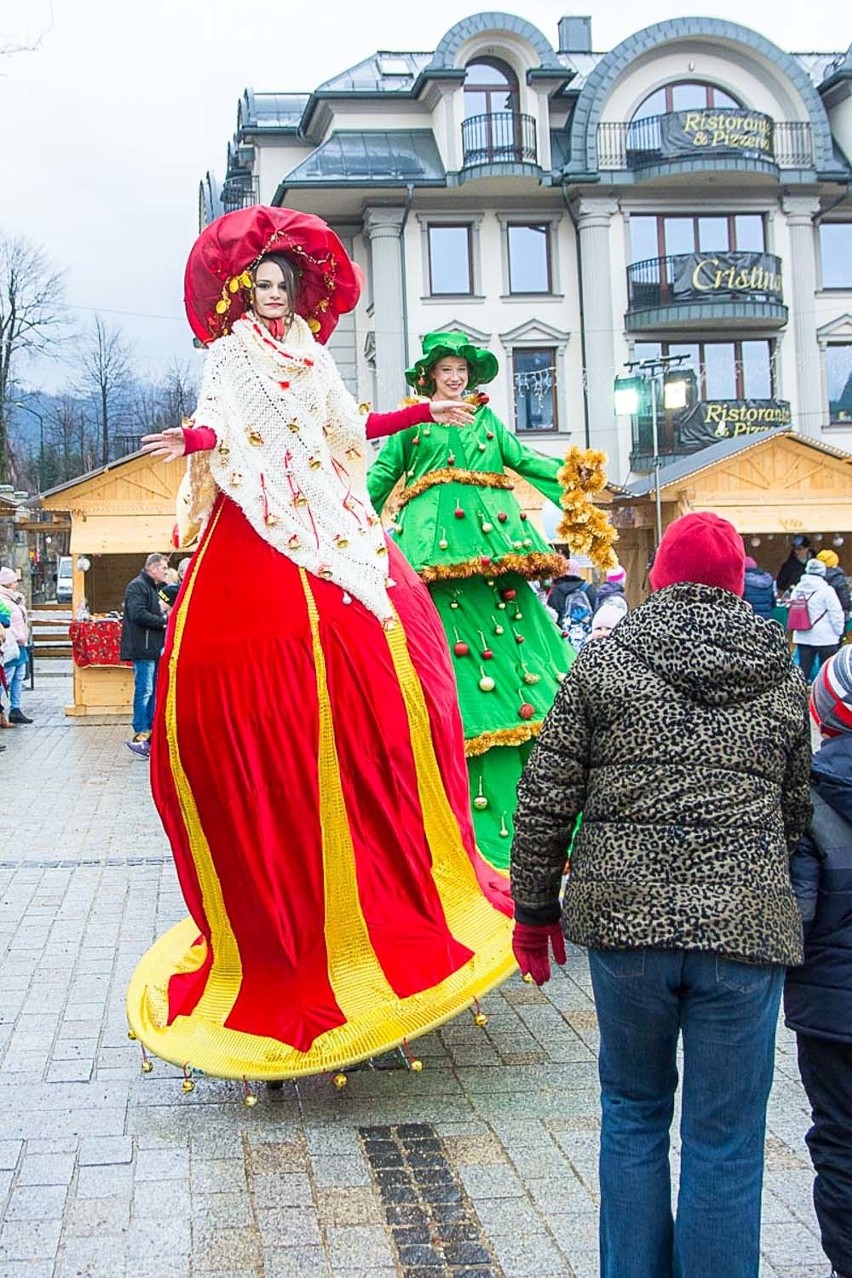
(287, 269)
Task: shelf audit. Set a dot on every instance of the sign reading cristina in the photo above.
(716, 132)
(714, 419)
(697, 275)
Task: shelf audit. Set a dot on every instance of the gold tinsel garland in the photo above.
(584, 526)
(534, 565)
(502, 737)
(477, 478)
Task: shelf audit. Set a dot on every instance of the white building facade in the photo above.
(686, 193)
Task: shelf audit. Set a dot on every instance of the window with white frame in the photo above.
(450, 259)
(838, 368)
(528, 248)
(534, 388)
(835, 243)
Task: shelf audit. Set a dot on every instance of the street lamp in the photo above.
(664, 372)
(27, 409)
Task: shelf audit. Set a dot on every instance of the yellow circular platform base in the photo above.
(203, 1042)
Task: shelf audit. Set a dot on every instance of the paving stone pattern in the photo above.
(482, 1165)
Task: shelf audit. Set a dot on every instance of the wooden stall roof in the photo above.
(126, 506)
(773, 482)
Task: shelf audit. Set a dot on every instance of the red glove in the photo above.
(529, 946)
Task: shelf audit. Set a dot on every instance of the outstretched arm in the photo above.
(539, 470)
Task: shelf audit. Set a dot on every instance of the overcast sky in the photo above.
(107, 128)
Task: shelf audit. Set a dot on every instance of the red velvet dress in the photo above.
(309, 770)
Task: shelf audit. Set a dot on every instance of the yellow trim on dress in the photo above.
(381, 1021)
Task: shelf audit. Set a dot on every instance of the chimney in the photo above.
(575, 35)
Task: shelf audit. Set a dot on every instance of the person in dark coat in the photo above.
(683, 740)
(563, 587)
(759, 588)
(836, 578)
(793, 567)
(143, 633)
(818, 994)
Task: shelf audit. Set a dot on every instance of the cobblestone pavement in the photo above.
(481, 1166)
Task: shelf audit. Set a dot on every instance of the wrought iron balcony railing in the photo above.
(240, 193)
(659, 140)
(503, 137)
(710, 277)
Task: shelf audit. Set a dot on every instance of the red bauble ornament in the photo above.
(489, 434)
(487, 654)
(502, 516)
(524, 515)
(458, 512)
(519, 638)
(485, 561)
(508, 593)
(461, 649)
(526, 711)
(451, 460)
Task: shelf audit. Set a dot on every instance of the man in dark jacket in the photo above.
(793, 567)
(683, 740)
(818, 995)
(143, 632)
(564, 586)
(759, 588)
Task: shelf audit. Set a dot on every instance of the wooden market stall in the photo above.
(119, 514)
(769, 485)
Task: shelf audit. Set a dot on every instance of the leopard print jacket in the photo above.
(683, 740)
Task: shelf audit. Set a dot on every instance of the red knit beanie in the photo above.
(703, 548)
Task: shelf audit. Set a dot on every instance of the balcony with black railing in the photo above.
(693, 289)
(502, 137)
(240, 192)
(714, 138)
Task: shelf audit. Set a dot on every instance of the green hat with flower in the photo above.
(483, 365)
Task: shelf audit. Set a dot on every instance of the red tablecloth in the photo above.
(96, 643)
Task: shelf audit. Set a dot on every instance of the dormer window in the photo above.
(490, 87)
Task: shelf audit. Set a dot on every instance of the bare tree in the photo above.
(32, 311)
(179, 390)
(107, 376)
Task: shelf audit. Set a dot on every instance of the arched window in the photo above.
(494, 130)
(683, 95)
(490, 86)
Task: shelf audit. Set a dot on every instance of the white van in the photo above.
(64, 579)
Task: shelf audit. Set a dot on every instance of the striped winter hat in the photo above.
(831, 695)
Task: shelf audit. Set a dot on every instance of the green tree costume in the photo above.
(462, 530)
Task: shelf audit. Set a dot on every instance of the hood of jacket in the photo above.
(759, 577)
(706, 643)
(831, 775)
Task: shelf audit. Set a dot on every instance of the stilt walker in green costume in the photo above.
(461, 528)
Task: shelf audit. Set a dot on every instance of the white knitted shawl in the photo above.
(291, 453)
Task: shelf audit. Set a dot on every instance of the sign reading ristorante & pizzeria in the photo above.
(716, 132)
(713, 419)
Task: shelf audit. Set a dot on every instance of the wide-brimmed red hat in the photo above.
(217, 282)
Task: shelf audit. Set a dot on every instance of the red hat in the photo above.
(703, 548)
(218, 281)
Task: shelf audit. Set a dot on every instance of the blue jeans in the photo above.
(15, 671)
(144, 685)
(727, 1013)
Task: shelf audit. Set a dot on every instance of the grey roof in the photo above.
(271, 111)
(371, 75)
(374, 156)
(819, 66)
(705, 457)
